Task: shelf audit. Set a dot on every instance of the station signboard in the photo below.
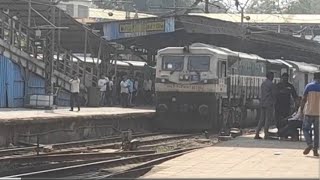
(137, 27)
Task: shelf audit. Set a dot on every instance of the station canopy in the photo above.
(72, 38)
(198, 29)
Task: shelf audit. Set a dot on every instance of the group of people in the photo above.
(130, 89)
(106, 90)
(277, 100)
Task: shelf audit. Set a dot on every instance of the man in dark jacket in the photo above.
(285, 91)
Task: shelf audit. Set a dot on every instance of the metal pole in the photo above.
(206, 9)
(85, 55)
(29, 14)
(52, 49)
(242, 15)
(98, 60)
(38, 145)
(115, 63)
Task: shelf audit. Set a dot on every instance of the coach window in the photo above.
(199, 63)
(172, 63)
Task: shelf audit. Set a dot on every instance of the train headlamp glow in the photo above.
(181, 77)
(163, 80)
(186, 77)
(205, 81)
(173, 99)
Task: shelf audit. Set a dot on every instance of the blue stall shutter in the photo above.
(11, 84)
(3, 81)
(36, 85)
(15, 85)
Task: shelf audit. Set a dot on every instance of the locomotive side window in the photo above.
(198, 63)
(172, 63)
(222, 69)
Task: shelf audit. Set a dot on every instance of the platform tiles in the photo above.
(27, 114)
(242, 157)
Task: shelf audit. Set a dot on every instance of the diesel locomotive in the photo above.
(204, 87)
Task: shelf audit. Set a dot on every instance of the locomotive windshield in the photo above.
(199, 63)
(173, 63)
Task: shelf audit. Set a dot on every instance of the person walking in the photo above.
(267, 105)
(75, 89)
(285, 91)
(311, 106)
(124, 91)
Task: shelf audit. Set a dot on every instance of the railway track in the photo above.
(96, 166)
(71, 157)
(71, 162)
(57, 146)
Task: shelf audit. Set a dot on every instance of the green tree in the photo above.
(304, 7)
(284, 6)
(263, 7)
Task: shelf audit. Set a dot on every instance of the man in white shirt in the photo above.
(102, 83)
(147, 87)
(124, 91)
(75, 89)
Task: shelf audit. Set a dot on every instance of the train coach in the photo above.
(203, 87)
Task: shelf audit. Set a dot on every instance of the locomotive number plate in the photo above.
(186, 87)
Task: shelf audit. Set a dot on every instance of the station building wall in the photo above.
(14, 89)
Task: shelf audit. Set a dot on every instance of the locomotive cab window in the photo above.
(198, 63)
(172, 63)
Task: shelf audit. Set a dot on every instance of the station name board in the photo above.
(142, 27)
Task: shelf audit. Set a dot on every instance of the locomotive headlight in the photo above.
(181, 77)
(173, 99)
(186, 77)
(205, 81)
(163, 80)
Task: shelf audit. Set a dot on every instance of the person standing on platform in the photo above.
(267, 105)
(124, 91)
(109, 92)
(135, 90)
(130, 88)
(147, 87)
(311, 106)
(285, 91)
(102, 83)
(75, 89)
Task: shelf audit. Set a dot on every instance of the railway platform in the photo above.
(22, 114)
(242, 157)
(62, 125)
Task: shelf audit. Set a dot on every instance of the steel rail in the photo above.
(71, 157)
(36, 167)
(78, 169)
(12, 151)
(97, 141)
(143, 142)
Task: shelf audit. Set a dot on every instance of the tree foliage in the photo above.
(147, 5)
(284, 6)
(263, 7)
